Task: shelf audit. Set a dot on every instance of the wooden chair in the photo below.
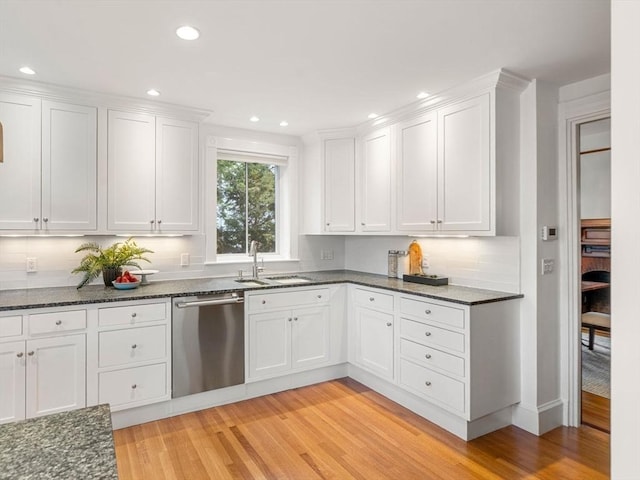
(596, 321)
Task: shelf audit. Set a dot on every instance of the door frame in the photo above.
(570, 115)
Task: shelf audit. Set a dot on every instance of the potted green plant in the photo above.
(108, 261)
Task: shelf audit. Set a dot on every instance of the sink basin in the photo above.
(250, 282)
(289, 279)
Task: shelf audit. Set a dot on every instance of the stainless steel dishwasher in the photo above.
(207, 343)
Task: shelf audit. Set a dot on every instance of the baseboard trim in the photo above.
(538, 419)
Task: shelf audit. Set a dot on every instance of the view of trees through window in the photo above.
(246, 206)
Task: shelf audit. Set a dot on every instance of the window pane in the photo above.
(262, 205)
(231, 212)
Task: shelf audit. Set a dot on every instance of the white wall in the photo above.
(595, 170)
(625, 264)
(484, 262)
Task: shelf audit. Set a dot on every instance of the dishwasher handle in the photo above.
(204, 303)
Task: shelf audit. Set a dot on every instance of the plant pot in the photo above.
(109, 274)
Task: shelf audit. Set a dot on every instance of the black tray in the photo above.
(426, 279)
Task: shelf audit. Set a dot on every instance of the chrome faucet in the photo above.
(253, 251)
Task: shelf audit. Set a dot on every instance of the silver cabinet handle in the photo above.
(371, 299)
(134, 386)
(289, 319)
(362, 223)
(432, 222)
(427, 311)
(159, 222)
(427, 334)
(58, 322)
(319, 296)
(427, 383)
(45, 219)
(134, 315)
(36, 219)
(134, 346)
(264, 301)
(427, 356)
(389, 324)
(295, 319)
(328, 224)
(439, 221)
(31, 353)
(152, 222)
(19, 354)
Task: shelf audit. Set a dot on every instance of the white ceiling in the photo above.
(317, 64)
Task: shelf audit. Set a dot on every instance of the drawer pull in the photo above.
(427, 311)
(31, 353)
(371, 299)
(19, 354)
(134, 315)
(319, 296)
(58, 322)
(427, 356)
(134, 386)
(289, 318)
(134, 346)
(264, 301)
(389, 324)
(427, 383)
(427, 334)
(295, 319)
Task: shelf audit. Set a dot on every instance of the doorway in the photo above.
(594, 206)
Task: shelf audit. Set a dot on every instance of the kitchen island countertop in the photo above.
(67, 445)
(63, 296)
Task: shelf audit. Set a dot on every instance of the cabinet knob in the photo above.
(134, 315)
(389, 324)
(439, 221)
(328, 224)
(427, 334)
(45, 219)
(289, 319)
(362, 223)
(319, 296)
(427, 311)
(159, 222)
(371, 299)
(295, 319)
(134, 386)
(19, 354)
(31, 353)
(264, 301)
(36, 219)
(427, 356)
(432, 222)
(134, 346)
(58, 322)
(152, 222)
(427, 383)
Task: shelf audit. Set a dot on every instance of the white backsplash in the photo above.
(483, 262)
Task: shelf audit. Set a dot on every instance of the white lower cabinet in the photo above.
(132, 354)
(285, 340)
(42, 364)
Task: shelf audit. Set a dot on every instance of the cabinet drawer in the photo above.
(120, 347)
(432, 357)
(57, 322)
(131, 385)
(268, 301)
(431, 312)
(132, 314)
(431, 384)
(11, 326)
(373, 299)
(431, 335)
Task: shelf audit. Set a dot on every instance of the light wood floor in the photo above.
(343, 430)
(596, 411)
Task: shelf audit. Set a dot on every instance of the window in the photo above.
(246, 206)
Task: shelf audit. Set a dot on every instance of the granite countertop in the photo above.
(68, 445)
(63, 296)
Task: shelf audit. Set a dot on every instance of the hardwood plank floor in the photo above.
(343, 430)
(596, 411)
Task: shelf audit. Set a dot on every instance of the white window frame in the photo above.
(286, 157)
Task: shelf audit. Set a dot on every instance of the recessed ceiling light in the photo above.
(187, 32)
(284, 123)
(153, 92)
(422, 95)
(254, 119)
(373, 115)
(28, 71)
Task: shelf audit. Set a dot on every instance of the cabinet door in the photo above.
(376, 182)
(56, 374)
(310, 337)
(20, 166)
(269, 343)
(339, 185)
(176, 175)
(12, 381)
(418, 174)
(68, 166)
(464, 165)
(131, 172)
(374, 341)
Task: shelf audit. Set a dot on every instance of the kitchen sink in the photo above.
(251, 282)
(289, 279)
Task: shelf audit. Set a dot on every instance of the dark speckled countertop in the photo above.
(61, 296)
(68, 445)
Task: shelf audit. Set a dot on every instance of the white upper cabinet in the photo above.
(376, 181)
(417, 174)
(152, 173)
(464, 166)
(69, 162)
(48, 174)
(339, 185)
(20, 167)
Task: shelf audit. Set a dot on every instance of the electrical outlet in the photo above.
(32, 264)
(548, 265)
(326, 254)
(184, 260)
